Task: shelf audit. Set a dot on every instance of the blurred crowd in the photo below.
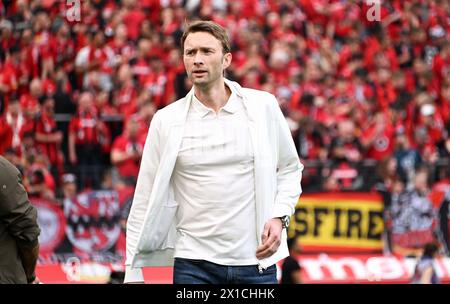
(368, 102)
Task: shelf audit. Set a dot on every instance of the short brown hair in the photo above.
(210, 27)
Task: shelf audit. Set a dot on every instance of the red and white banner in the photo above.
(316, 269)
(365, 269)
(76, 272)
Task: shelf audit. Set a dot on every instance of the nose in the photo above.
(198, 59)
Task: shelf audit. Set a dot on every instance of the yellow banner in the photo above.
(339, 222)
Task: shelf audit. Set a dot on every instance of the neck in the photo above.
(214, 97)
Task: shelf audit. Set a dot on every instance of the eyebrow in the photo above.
(201, 48)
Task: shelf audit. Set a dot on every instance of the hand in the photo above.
(58, 137)
(271, 238)
(33, 280)
(73, 158)
(136, 155)
(36, 281)
(379, 128)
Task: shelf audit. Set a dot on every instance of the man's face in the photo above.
(70, 190)
(14, 108)
(133, 128)
(420, 181)
(36, 88)
(49, 106)
(86, 102)
(99, 39)
(204, 59)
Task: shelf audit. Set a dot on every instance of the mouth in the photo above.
(199, 72)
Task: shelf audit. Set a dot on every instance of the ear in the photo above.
(226, 60)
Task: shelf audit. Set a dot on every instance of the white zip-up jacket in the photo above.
(151, 223)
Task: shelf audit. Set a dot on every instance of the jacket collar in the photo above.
(232, 106)
(248, 104)
(235, 89)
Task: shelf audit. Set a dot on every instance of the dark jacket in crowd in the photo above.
(19, 229)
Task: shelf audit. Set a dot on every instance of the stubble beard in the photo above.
(205, 83)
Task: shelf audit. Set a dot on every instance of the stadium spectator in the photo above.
(125, 100)
(88, 137)
(425, 272)
(408, 158)
(413, 216)
(100, 62)
(38, 180)
(69, 186)
(29, 149)
(116, 277)
(7, 119)
(157, 83)
(291, 269)
(378, 138)
(127, 151)
(49, 138)
(144, 116)
(346, 155)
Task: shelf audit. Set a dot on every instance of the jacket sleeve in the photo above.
(16, 212)
(289, 167)
(149, 165)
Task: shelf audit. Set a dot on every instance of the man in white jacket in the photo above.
(219, 178)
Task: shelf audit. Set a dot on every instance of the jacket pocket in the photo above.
(158, 231)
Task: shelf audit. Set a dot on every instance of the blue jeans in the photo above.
(187, 271)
